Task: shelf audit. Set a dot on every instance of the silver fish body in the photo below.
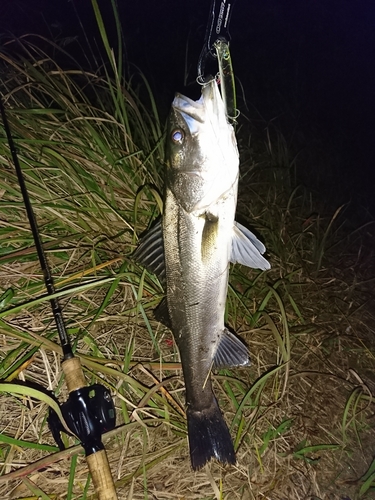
(199, 238)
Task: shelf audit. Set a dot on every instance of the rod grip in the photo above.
(73, 374)
(98, 461)
(101, 475)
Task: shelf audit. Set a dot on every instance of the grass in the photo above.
(91, 151)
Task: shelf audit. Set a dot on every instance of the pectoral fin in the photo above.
(247, 249)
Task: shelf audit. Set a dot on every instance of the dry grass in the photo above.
(331, 358)
(301, 416)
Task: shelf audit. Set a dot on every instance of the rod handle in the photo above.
(73, 374)
(98, 461)
(101, 475)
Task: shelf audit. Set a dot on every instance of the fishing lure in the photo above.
(216, 47)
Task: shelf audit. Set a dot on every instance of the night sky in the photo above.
(306, 66)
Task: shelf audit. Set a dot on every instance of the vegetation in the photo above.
(92, 151)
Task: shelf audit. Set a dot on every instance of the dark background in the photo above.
(306, 67)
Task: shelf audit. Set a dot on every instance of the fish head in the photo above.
(202, 154)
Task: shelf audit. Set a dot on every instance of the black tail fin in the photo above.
(209, 437)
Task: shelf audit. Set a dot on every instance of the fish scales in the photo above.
(197, 279)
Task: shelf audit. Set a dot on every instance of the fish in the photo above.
(190, 250)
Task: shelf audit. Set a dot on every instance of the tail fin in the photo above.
(209, 437)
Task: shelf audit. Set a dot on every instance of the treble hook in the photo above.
(217, 29)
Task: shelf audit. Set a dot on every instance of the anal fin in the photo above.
(231, 352)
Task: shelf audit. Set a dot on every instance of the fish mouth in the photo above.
(209, 106)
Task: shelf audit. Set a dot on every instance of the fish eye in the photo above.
(178, 136)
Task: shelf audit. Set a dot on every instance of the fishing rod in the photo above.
(89, 410)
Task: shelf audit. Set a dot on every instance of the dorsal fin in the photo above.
(150, 252)
(161, 313)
